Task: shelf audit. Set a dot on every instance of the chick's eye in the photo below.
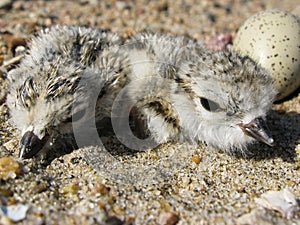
(209, 105)
(78, 115)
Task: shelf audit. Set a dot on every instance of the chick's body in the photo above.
(180, 90)
(186, 92)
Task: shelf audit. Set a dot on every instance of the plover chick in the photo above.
(44, 87)
(186, 92)
(180, 90)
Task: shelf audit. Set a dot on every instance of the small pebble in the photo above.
(168, 218)
(284, 201)
(196, 159)
(20, 50)
(71, 189)
(101, 189)
(9, 168)
(219, 42)
(15, 212)
(17, 43)
(11, 145)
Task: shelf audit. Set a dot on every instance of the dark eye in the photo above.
(78, 115)
(209, 105)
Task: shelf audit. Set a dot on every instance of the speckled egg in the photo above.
(272, 38)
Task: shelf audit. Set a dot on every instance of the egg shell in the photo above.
(272, 38)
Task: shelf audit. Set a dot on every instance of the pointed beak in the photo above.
(258, 130)
(30, 145)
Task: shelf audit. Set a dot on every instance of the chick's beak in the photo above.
(30, 145)
(257, 129)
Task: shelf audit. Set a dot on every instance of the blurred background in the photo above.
(197, 19)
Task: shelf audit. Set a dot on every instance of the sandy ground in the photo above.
(172, 184)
